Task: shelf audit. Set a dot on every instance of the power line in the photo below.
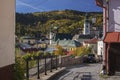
(35, 6)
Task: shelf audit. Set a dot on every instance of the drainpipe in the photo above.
(105, 20)
(105, 47)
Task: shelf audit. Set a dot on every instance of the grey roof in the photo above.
(27, 37)
(69, 43)
(82, 36)
(62, 36)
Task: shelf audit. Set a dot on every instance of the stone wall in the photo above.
(65, 62)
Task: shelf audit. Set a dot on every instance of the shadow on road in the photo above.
(59, 75)
(78, 66)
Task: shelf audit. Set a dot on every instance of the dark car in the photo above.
(26, 47)
(90, 58)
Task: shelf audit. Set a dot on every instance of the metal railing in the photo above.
(50, 62)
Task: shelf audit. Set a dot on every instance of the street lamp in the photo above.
(27, 69)
(38, 57)
(38, 68)
(56, 64)
(51, 62)
(51, 50)
(43, 47)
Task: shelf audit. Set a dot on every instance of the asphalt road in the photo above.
(79, 72)
(84, 72)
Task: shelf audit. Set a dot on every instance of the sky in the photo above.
(30, 6)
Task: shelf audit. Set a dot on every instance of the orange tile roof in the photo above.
(112, 37)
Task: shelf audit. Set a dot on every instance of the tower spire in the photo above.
(86, 25)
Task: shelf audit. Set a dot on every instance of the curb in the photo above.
(49, 76)
(54, 74)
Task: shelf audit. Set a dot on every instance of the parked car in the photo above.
(89, 58)
(26, 47)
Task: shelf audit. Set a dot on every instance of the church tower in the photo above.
(86, 25)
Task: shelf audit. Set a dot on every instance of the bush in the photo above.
(18, 70)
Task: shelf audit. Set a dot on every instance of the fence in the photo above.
(50, 63)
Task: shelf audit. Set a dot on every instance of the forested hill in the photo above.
(66, 20)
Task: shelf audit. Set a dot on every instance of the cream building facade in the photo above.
(7, 38)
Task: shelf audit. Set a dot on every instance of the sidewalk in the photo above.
(49, 74)
(114, 77)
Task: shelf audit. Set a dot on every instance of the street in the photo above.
(84, 72)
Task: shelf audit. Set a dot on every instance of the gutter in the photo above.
(100, 4)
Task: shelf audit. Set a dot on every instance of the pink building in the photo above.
(111, 25)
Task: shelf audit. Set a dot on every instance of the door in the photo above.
(117, 62)
(115, 56)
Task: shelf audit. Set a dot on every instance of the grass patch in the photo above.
(104, 76)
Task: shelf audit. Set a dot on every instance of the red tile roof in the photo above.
(112, 37)
(92, 41)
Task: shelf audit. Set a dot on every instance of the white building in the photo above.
(7, 38)
(100, 48)
(86, 25)
(91, 43)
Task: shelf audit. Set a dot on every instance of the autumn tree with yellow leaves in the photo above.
(83, 50)
(59, 51)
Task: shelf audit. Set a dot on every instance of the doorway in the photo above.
(114, 58)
